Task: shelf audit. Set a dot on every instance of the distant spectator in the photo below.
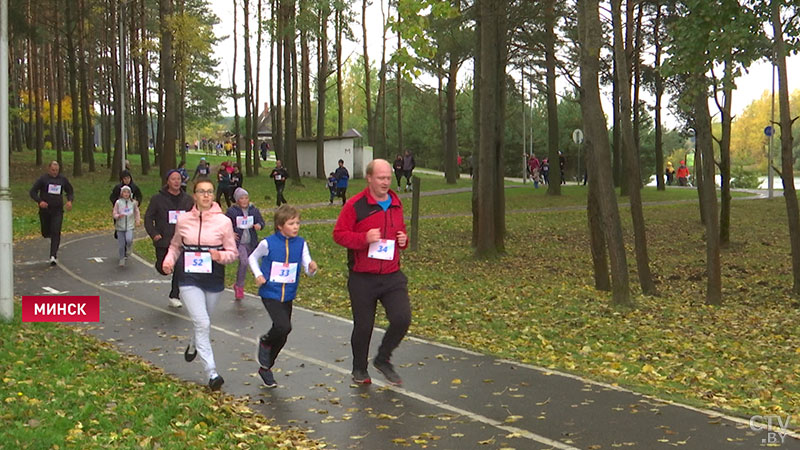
(408, 168)
(683, 174)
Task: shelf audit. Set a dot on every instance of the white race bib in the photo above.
(54, 189)
(197, 262)
(282, 272)
(383, 249)
(173, 215)
(244, 223)
(127, 211)
(278, 177)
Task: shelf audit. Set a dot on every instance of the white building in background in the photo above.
(348, 147)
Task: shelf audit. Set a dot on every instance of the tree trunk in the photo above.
(400, 148)
(86, 103)
(168, 156)
(73, 92)
(322, 82)
(234, 92)
(305, 85)
(51, 93)
(699, 178)
(631, 155)
(257, 90)
(367, 78)
(787, 159)
(725, 157)
(635, 83)
(554, 187)
(659, 85)
(491, 195)
(248, 92)
(602, 282)
(476, 134)
(599, 155)
(708, 191)
(339, 26)
(290, 83)
(451, 136)
(144, 66)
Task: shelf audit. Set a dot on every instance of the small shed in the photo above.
(349, 147)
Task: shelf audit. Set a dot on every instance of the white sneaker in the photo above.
(175, 303)
(52, 260)
(122, 262)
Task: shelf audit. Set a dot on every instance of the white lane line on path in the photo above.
(545, 370)
(422, 398)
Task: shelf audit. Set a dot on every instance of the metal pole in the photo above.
(771, 123)
(6, 241)
(122, 75)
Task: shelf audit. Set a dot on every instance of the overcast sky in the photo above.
(749, 87)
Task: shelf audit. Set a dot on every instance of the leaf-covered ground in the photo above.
(63, 389)
(537, 304)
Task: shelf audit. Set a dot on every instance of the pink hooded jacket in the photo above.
(209, 228)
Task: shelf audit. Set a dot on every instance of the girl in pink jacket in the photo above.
(203, 242)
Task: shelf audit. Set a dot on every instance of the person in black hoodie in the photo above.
(125, 179)
(48, 192)
(159, 221)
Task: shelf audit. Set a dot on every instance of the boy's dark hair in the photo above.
(341, 161)
(332, 174)
(285, 213)
(202, 179)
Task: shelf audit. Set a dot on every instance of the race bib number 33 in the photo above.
(383, 249)
(197, 262)
(282, 272)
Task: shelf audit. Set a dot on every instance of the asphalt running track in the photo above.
(451, 398)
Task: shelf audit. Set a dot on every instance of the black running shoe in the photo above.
(188, 355)
(215, 383)
(267, 377)
(387, 369)
(361, 377)
(264, 353)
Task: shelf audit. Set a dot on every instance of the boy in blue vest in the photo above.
(275, 263)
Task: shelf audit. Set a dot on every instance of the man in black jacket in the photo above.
(279, 174)
(125, 179)
(48, 192)
(159, 221)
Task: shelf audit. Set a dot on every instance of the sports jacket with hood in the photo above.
(197, 232)
(360, 214)
(156, 218)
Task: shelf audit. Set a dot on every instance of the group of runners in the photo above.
(194, 240)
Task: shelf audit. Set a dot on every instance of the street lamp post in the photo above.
(6, 242)
(122, 78)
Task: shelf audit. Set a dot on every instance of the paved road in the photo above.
(452, 398)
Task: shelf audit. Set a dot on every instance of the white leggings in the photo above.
(200, 304)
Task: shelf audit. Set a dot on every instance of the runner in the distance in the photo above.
(48, 192)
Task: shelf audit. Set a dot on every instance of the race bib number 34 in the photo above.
(197, 262)
(282, 272)
(383, 249)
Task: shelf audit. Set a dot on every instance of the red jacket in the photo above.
(360, 214)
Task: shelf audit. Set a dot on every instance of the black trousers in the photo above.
(279, 189)
(342, 192)
(51, 220)
(366, 289)
(161, 253)
(281, 315)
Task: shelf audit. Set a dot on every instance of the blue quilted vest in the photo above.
(283, 250)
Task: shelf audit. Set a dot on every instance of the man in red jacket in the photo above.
(372, 229)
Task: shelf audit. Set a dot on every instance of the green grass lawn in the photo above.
(537, 304)
(62, 388)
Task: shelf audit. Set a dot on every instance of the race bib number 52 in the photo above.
(197, 262)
